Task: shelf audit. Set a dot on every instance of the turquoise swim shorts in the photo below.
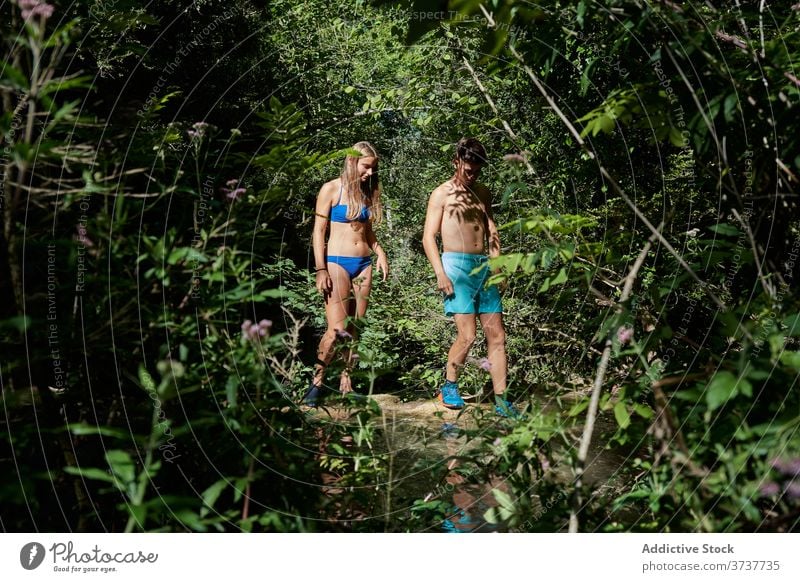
(470, 292)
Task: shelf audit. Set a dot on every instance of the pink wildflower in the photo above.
(789, 467)
(255, 331)
(83, 237)
(235, 194)
(231, 192)
(31, 8)
(485, 364)
(624, 335)
(769, 489)
(198, 130)
(792, 489)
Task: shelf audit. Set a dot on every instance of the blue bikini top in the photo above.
(339, 212)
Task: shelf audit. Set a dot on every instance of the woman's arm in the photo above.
(321, 220)
(382, 263)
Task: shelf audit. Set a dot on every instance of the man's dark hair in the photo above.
(470, 150)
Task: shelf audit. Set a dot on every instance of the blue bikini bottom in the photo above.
(353, 265)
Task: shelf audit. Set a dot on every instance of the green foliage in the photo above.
(153, 209)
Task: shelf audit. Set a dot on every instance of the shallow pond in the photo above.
(422, 441)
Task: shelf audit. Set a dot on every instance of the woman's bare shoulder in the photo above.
(330, 188)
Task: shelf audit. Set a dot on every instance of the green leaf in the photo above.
(504, 500)
(622, 415)
(190, 519)
(63, 113)
(791, 359)
(792, 322)
(90, 473)
(560, 278)
(644, 411)
(731, 102)
(20, 322)
(232, 391)
(138, 513)
(12, 78)
(675, 137)
(491, 516)
(745, 387)
(512, 188)
(725, 229)
(578, 407)
(146, 380)
(604, 123)
(55, 86)
(211, 495)
(721, 389)
(121, 465)
(755, 374)
(83, 429)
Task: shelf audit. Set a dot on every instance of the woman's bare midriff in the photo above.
(348, 239)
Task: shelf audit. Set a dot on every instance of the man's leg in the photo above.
(465, 337)
(493, 329)
(492, 324)
(466, 328)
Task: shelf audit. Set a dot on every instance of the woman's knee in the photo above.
(333, 334)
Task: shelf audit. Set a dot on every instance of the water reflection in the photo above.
(470, 501)
(435, 479)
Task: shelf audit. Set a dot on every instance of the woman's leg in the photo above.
(337, 305)
(361, 286)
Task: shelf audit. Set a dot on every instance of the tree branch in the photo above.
(591, 413)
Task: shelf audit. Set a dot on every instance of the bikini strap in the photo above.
(341, 186)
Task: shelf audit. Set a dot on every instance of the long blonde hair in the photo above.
(353, 192)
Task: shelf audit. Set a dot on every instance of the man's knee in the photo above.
(494, 331)
(466, 338)
(495, 335)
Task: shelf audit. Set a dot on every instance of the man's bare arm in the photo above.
(492, 234)
(433, 226)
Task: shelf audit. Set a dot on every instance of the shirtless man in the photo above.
(460, 211)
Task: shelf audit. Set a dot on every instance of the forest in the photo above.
(160, 167)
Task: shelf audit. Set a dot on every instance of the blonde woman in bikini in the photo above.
(347, 209)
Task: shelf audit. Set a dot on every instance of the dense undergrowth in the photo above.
(160, 168)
